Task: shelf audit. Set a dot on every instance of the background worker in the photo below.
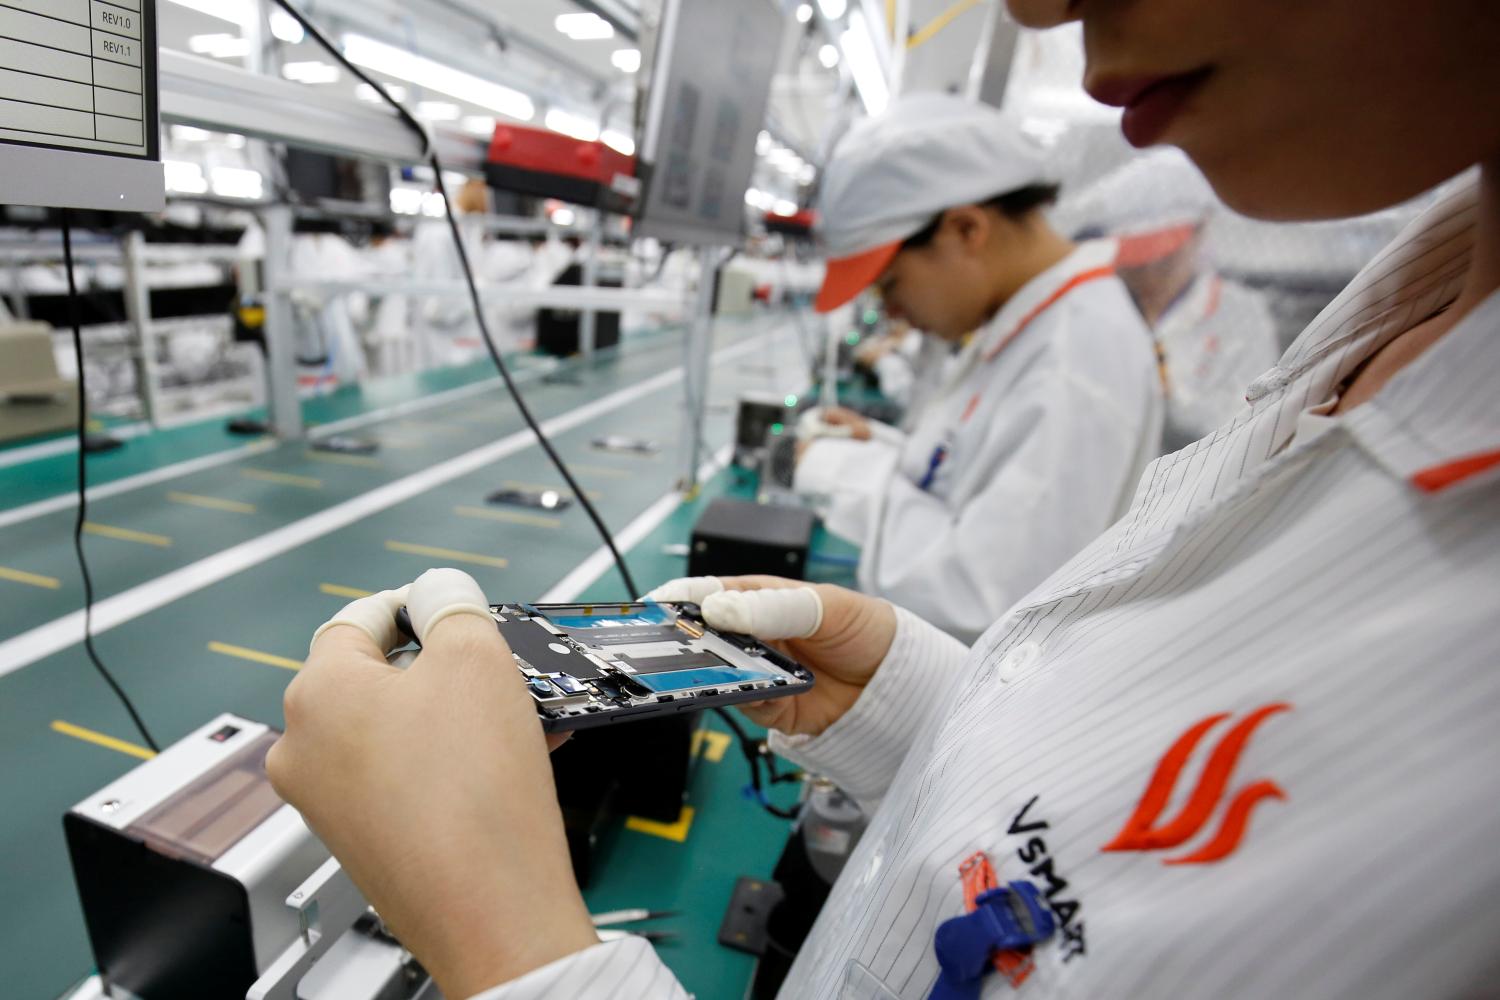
(1214, 335)
(1043, 421)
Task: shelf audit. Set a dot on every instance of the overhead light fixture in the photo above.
(804, 13)
(859, 52)
(833, 9)
(187, 133)
(240, 12)
(756, 198)
(482, 125)
(184, 177)
(563, 216)
(568, 123)
(286, 27)
(784, 207)
(434, 205)
(237, 182)
(807, 173)
(828, 55)
(626, 60)
(220, 46)
(391, 61)
(365, 92)
(584, 26)
(618, 141)
(439, 111)
(313, 72)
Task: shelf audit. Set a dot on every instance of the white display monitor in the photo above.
(78, 105)
(710, 83)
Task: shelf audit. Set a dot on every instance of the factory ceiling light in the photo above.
(626, 60)
(568, 123)
(241, 12)
(311, 72)
(584, 26)
(869, 78)
(833, 9)
(412, 68)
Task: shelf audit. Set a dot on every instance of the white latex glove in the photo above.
(780, 613)
(687, 589)
(439, 593)
(375, 616)
(812, 424)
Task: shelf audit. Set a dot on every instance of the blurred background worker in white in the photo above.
(1245, 743)
(444, 325)
(1215, 336)
(1038, 433)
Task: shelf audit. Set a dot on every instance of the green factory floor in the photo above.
(209, 578)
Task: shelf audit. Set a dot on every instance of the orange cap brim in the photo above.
(846, 277)
(1148, 248)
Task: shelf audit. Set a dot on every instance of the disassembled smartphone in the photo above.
(589, 665)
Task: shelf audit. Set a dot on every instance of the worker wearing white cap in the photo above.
(1214, 335)
(1046, 417)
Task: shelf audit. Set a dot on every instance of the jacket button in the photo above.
(1016, 661)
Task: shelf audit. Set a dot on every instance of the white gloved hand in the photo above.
(374, 615)
(440, 593)
(771, 613)
(687, 589)
(812, 425)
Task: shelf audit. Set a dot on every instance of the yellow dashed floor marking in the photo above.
(711, 744)
(212, 503)
(99, 739)
(677, 831)
(511, 484)
(509, 516)
(363, 461)
(284, 478)
(127, 535)
(35, 579)
(335, 590)
(255, 656)
(454, 554)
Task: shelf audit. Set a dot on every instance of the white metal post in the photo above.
(138, 311)
(282, 402)
(695, 367)
(588, 318)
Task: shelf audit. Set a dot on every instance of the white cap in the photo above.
(890, 175)
(1154, 190)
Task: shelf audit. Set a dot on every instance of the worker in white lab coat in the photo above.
(1244, 745)
(1040, 425)
(1214, 335)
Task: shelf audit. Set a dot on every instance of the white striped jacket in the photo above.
(1248, 742)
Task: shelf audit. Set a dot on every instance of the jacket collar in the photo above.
(1438, 410)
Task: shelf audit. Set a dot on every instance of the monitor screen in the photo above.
(710, 83)
(78, 104)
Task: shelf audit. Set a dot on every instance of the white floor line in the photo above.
(424, 403)
(60, 633)
(600, 561)
(64, 445)
(67, 501)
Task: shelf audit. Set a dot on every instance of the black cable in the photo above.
(463, 258)
(83, 500)
(757, 756)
